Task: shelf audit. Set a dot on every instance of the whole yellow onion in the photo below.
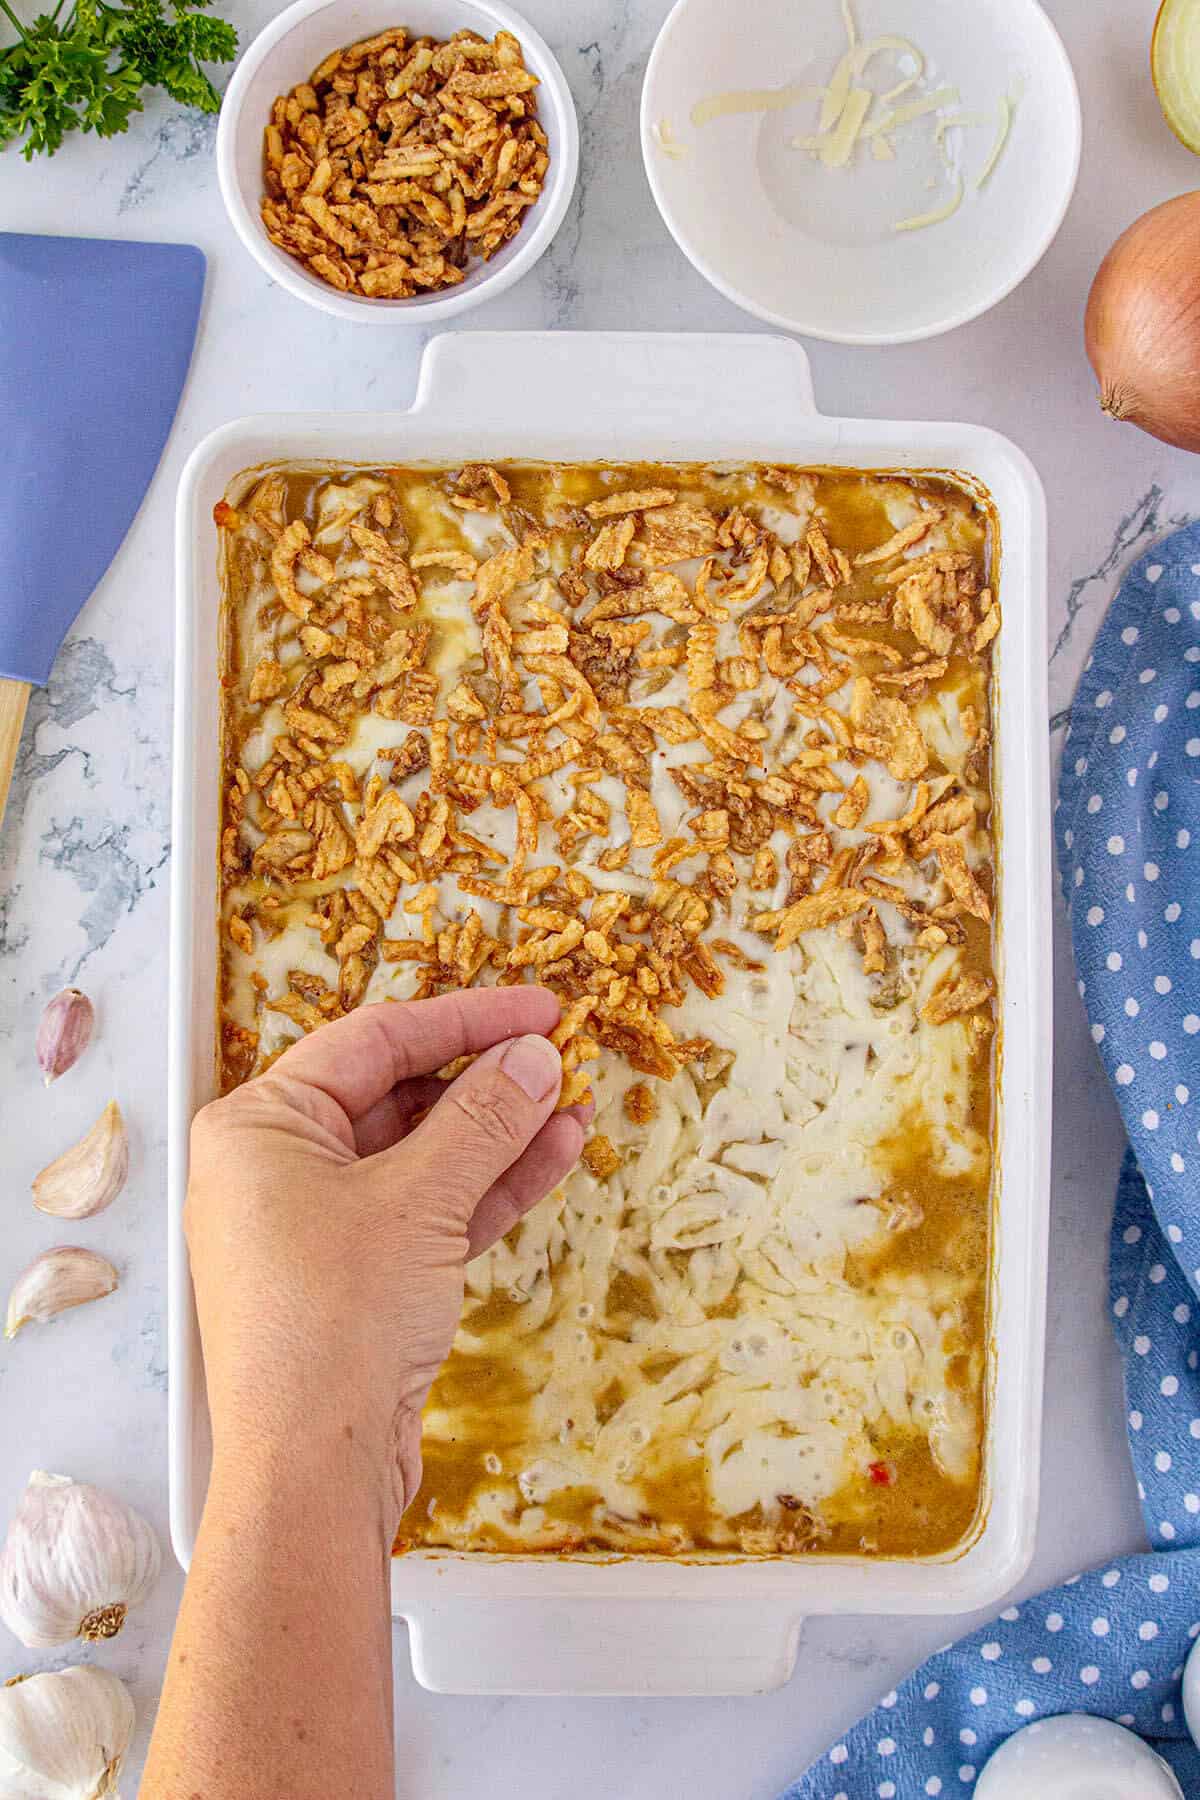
(1143, 324)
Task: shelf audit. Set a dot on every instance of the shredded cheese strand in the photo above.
(853, 66)
(840, 147)
(837, 94)
(838, 91)
(916, 109)
(921, 220)
(1006, 118)
(901, 45)
(751, 100)
(910, 81)
(957, 119)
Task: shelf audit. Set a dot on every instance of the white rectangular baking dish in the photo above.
(530, 1625)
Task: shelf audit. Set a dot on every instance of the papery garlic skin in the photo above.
(57, 1279)
(89, 1176)
(63, 1736)
(74, 1562)
(64, 1033)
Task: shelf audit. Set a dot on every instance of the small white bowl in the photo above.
(814, 250)
(290, 48)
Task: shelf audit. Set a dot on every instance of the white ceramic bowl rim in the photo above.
(1072, 127)
(531, 241)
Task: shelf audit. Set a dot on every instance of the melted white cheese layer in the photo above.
(766, 1189)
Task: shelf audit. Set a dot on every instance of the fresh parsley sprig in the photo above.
(84, 69)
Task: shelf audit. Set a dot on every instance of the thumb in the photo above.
(485, 1120)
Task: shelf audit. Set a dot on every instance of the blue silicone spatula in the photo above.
(95, 341)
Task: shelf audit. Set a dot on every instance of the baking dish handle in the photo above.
(665, 380)
(611, 1647)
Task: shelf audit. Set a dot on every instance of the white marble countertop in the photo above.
(85, 850)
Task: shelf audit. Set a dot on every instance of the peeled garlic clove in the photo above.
(74, 1562)
(64, 1033)
(90, 1175)
(59, 1278)
(63, 1736)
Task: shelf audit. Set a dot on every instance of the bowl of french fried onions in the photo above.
(397, 161)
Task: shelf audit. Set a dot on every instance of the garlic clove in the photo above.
(74, 1562)
(63, 1736)
(64, 1033)
(59, 1278)
(89, 1176)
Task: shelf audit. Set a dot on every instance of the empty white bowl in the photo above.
(814, 250)
(290, 48)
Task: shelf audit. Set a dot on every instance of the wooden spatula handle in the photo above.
(14, 698)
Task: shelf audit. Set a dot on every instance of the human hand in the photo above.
(328, 1232)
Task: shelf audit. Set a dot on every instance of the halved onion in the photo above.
(1175, 68)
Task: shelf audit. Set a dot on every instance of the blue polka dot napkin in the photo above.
(1128, 825)
(1112, 1641)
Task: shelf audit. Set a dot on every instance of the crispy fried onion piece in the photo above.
(884, 727)
(268, 681)
(989, 623)
(631, 500)
(659, 592)
(915, 611)
(500, 574)
(644, 827)
(810, 914)
(388, 821)
(460, 563)
(908, 821)
(833, 564)
(747, 583)
(672, 534)
(601, 1157)
(963, 995)
(952, 860)
(607, 549)
(292, 544)
(900, 541)
(388, 567)
(951, 813)
(874, 944)
(852, 805)
(702, 658)
(333, 847)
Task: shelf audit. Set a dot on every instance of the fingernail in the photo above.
(534, 1064)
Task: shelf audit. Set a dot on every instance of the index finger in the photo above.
(359, 1059)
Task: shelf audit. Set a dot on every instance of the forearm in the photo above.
(280, 1676)
(332, 1207)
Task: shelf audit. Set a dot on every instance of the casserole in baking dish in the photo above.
(730, 1549)
(705, 750)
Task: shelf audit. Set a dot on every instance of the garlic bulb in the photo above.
(59, 1278)
(63, 1736)
(89, 1176)
(74, 1562)
(64, 1033)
